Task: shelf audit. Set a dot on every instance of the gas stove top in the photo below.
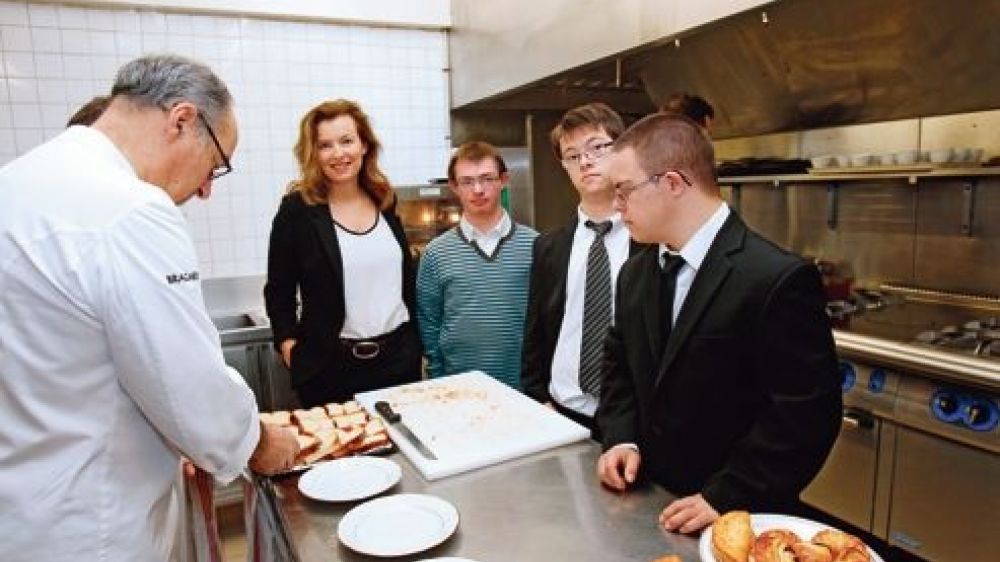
(965, 328)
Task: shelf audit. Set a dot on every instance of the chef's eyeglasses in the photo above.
(218, 171)
(485, 180)
(592, 153)
(624, 190)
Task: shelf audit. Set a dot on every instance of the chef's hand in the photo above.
(688, 515)
(286, 351)
(618, 466)
(276, 450)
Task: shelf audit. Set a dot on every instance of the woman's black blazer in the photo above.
(304, 257)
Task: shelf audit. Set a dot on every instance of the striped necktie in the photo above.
(596, 309)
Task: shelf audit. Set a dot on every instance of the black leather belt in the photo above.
(370, 348)
(364, 349)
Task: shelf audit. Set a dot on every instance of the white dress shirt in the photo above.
(373, 281)
(110, 368)
(564, 386)
(694, 252)
(489, 240)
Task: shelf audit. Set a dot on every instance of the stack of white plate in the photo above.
(395, 525)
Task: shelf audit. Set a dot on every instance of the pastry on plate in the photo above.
(732, 537)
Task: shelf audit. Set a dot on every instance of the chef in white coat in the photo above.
(110, 368)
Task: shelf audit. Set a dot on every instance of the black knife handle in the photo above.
(385, 410)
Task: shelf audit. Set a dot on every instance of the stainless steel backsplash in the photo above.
(888, 230)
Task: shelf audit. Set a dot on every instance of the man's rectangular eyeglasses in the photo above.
(485, 180)
(595, 152)
(624, 190)
(226, 167)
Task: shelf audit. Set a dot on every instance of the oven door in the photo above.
(945, 499)
(845, 487)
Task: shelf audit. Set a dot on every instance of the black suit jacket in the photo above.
(744, 403)
(547, 306)
(304, 257)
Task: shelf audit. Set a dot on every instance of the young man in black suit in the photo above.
(573, 273)
(721, 377)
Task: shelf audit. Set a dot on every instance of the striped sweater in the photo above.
(471, 308)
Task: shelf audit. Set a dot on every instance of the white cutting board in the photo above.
(471, 420)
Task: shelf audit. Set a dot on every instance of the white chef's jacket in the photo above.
(110, 368)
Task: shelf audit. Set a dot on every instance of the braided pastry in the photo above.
(842, 544)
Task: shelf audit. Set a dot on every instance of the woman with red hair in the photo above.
(337, 244)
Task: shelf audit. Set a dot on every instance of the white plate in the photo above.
(398, 525)
(760, 522)
(447, 559)
(349, 479)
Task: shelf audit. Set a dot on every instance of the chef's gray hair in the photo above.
(165, 80)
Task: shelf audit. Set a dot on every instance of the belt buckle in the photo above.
(365, 349)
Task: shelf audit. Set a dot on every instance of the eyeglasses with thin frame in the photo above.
(218, 171)
(623, 190)
(485, 180)
(592, 153)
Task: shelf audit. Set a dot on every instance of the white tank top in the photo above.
(373, 281)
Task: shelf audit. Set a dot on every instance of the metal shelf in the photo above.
(911, 176)
(832, 182)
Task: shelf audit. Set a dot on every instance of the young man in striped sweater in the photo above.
(472, 282)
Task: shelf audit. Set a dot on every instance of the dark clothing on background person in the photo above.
(304, 256)
(743, 404)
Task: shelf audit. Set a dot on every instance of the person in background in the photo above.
(692, 106)
(111, 368)
(337, 243)
(573, 273)
(472, 283)
(89, 112)
(721, 375)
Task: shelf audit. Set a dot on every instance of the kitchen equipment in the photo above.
(948, 462)
(762, 166)
(396, 421)
(941, 156)
(861, 160)
(846, 485)
(398, 525)
(349, 479)
(471, 420)
(920, 372)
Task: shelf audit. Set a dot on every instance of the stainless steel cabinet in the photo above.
(277, 382)
(845, 487)
(937, 514)
(245, 359)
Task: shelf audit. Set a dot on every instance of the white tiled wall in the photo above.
(56, 57)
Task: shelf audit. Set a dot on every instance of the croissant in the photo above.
(839, 541)
(853, 554)
(809, 552)
(732, 537)
(774, 546)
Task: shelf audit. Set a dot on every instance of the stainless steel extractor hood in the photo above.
(801, 64)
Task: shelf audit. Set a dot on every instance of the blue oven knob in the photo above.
(947, 405)
(981, 414)
(876, 382)
(847, 376)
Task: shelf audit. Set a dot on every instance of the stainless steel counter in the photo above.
(543, 507)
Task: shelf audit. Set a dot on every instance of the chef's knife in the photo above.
(391, 417)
